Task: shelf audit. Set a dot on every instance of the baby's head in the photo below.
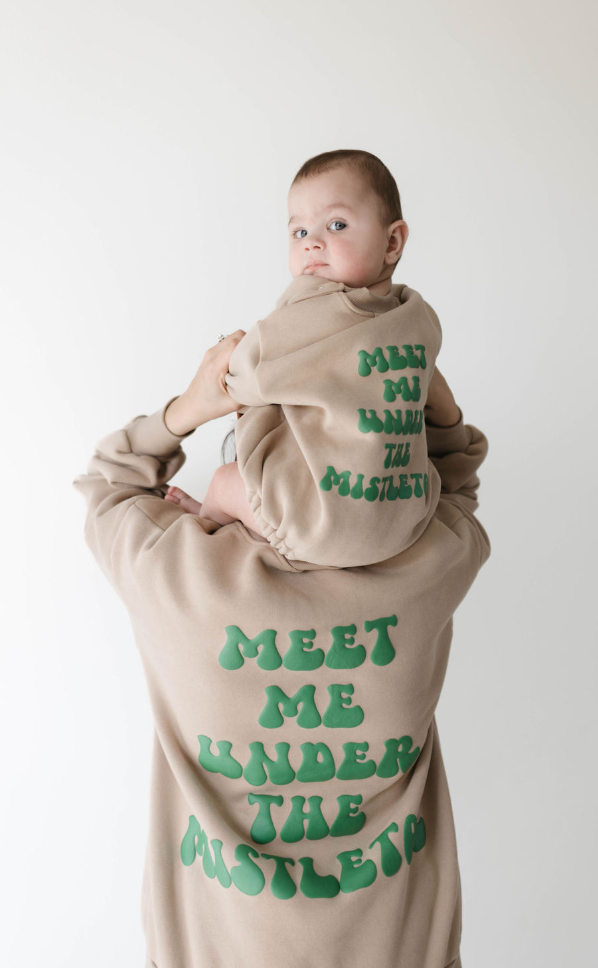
(345, 213)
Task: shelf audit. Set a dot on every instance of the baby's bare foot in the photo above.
(175, 495)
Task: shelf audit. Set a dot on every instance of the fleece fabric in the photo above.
(299, 807)
(333, 385)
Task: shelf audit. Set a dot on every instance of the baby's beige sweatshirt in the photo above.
(299, 809)
(332, 386)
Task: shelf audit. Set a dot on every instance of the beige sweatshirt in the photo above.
(299, 808)
(346, 374)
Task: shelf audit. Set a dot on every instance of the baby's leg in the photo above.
(225, 499)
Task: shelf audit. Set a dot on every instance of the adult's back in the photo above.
(300, 812)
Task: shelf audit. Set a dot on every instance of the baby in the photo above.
(299, 378)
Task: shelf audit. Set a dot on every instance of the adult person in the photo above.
(299, 806)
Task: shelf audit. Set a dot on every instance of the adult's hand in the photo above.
(207, 396)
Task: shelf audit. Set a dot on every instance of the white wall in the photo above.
(146, 153)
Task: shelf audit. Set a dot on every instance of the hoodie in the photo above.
(333, 385)
(299, 807)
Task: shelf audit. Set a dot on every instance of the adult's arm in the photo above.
(124, 488)
(129, 472)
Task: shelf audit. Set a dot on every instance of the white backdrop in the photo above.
(146, 153)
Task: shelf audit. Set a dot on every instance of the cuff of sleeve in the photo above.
(150, 435)
(448, 440)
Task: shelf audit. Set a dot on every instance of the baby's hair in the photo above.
(229, 439)
(367, 166)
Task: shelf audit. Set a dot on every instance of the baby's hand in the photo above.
(176, 496)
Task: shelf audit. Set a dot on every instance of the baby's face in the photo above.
(334, 221)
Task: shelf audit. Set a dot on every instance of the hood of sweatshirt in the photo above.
(332, 443)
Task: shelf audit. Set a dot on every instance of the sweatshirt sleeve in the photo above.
(457, 453)
(124, 489)
(242, 377)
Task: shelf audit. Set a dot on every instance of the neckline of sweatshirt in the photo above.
(306, 286)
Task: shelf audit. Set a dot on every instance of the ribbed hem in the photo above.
(267, 530)
(151, 436)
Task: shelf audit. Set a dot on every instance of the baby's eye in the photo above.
(335, 221)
